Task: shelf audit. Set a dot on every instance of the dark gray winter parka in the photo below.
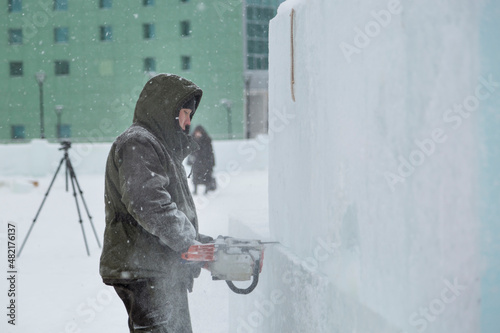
(150, 214)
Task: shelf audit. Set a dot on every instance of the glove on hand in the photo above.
(204, 239)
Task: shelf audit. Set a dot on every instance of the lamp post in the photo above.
(227, 104)
(58, 110)
(248, 79)
(40, 78)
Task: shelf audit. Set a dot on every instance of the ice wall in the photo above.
(373, 179)
(489, 120)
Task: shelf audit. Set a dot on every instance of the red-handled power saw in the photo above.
(231, 259)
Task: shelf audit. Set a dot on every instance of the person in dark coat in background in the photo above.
(203, 161)
(150, 214)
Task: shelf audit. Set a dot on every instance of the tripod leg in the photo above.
(68, 167)
(66, 157)
(40, 208)
(73, 176)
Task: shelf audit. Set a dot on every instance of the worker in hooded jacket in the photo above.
(150, 214)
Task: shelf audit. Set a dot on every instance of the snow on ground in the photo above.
(59, 289)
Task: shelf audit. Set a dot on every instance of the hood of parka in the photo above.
(158, 107)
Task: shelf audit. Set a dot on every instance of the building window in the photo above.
(263, 14)
(18, 132)
(257, 62)
(61, 67)
(106, 33)
(15, 36)
(147, 3)
(64, 131)
(106, 68)
(14, 6)
(104, 3)
(150, 65)
(61, 35)
(148, 30)
(185, 63)
(258, 30)
(16, 68)
(258, 47)
(60, 4)
(185, 28)
(258, 16)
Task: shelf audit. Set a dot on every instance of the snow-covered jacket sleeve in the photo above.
(143, 185)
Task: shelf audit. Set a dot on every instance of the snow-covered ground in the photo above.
(58, 286)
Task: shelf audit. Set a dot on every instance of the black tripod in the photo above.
(71, 172)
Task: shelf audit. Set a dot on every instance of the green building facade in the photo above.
(82, 64)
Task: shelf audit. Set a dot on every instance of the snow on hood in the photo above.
(159, 104)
